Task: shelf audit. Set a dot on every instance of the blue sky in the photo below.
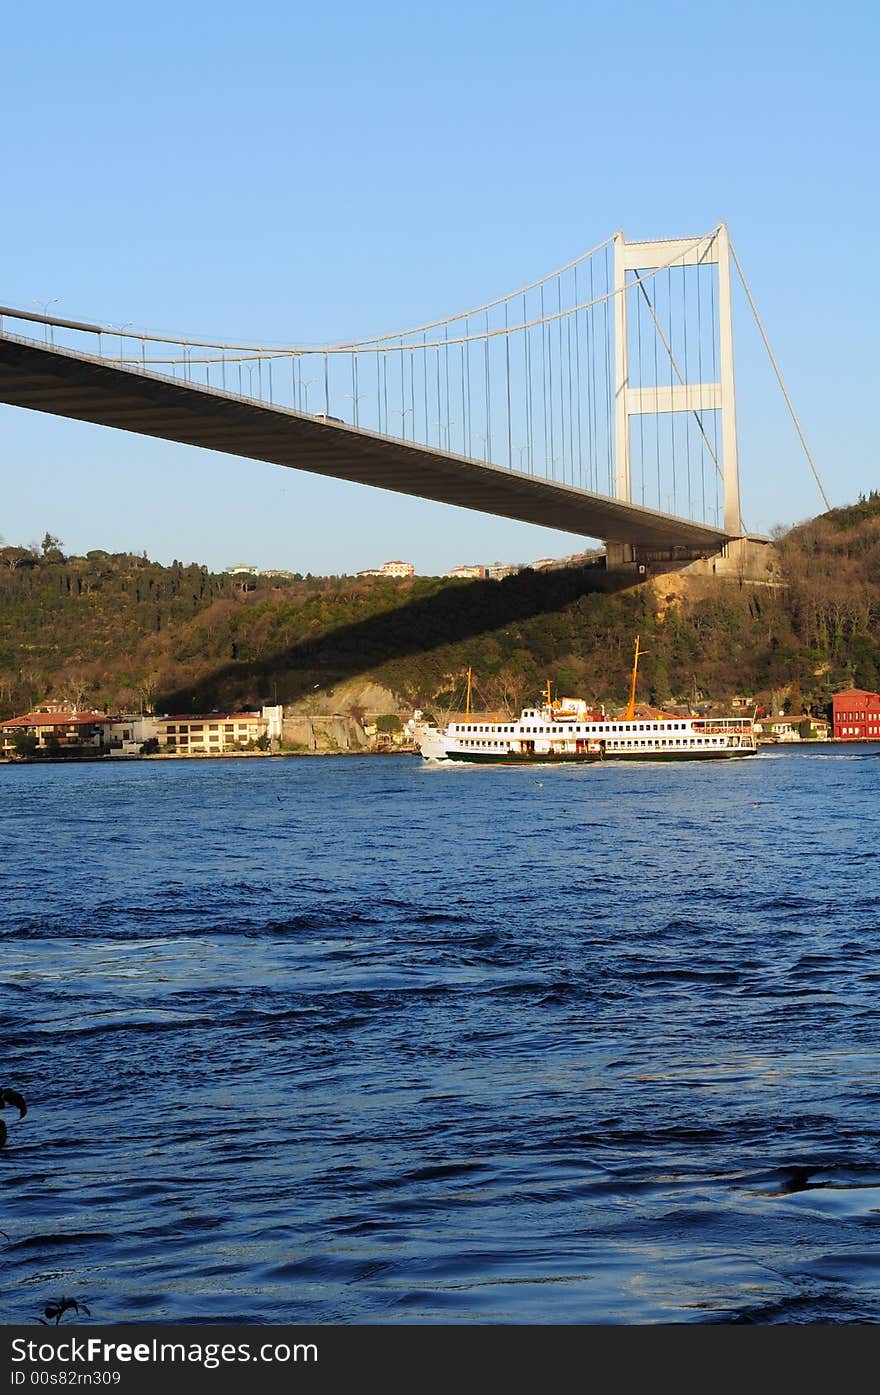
(280, 173)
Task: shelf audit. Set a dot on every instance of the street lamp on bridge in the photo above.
(355, 398)
(403, 413)
(121, 332)
(44, 305)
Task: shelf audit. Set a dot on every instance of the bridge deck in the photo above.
(45, 378)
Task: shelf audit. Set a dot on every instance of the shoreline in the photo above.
(199, 755)
(847, 742)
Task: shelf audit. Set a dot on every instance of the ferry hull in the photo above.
(547, 758)
(663, 756)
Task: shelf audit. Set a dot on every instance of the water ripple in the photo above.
(417, 1046)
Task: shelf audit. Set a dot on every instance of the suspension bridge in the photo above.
(598, 400)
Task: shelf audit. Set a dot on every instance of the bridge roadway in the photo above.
(45, 378)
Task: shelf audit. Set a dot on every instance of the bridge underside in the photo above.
(68, 384)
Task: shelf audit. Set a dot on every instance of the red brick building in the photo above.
(856, 715)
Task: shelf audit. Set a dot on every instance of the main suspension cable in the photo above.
(776, 370)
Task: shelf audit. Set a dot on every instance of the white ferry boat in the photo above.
(568, 730)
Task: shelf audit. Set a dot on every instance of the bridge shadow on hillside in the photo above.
(455, 614)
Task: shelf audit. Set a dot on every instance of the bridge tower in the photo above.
(682, 396)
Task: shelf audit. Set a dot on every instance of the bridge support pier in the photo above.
(740, 559)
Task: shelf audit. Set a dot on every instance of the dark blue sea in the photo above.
(355, 1040)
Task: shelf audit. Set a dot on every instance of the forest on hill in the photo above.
(120, 632)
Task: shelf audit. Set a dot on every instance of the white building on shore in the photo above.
(397, 569)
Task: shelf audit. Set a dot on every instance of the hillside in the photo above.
(119, 631)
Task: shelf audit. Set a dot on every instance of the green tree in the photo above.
(388, 722)
(24, 743)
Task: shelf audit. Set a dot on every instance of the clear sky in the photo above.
(276, 172)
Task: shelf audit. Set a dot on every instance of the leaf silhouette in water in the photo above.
(54, 1311)
(12, 1097)
(8, 1096)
